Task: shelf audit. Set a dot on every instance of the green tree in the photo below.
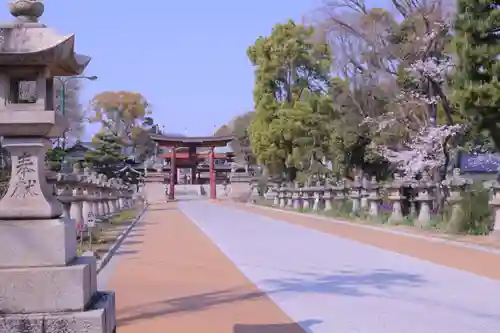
(54, 158)
(120, 112)
(477, 43)
(291, 70)
(144, 147)
(107, 157)
(351, 140)
(239, 127)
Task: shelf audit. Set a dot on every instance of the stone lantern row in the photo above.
(87, 195)
(366, 196)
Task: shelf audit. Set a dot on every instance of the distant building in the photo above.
(76, 153)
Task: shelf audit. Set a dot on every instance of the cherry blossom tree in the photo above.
(424, 151)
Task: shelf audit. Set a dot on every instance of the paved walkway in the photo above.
(201, 275)
(169, 277)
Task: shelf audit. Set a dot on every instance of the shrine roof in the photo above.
(197, 141)
(200, 155)
(80, 145)
(222, 151)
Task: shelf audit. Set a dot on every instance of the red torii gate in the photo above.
(192, 143)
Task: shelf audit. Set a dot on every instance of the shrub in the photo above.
(478, 219)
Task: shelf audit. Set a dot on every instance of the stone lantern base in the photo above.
(45, 287)
(97, 318)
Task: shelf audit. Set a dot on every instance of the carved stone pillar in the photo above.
(374, 198)
(495, 204)
(396, 198)
(317, 198)
(355, 195)
(456, 185)
(296, 199)
(45, 287)
(282, 196)
(425, 199)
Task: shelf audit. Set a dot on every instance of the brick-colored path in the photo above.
(172, 278)
(471, 260)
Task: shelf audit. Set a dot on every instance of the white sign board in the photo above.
(90, 220)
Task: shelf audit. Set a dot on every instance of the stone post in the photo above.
(94, 194)
(374, 198)
(111, 196)
(456, 186)
(116, 195)
(254, 186)
(106, 195)
(276, 200)
(395, 197)
(296, 198)
(132, 199)
(118, 187)
(270, 192)
(64, 193)
(327, 196)
(425, 199)
(355, 195)
(88, 198)
(412, 183)
(75, 181)
(365, 189)
(495, 204)
(101, 195)
(317, 191)
(121, 196)
(281, 196)
(289, 197)
(339, 193)
(306, 204)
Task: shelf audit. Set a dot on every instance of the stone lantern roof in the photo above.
(32, 52)
(26, 42)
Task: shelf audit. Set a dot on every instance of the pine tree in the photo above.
(107, 157)
(477, 86)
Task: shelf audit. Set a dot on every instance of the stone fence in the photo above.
(88, 197)
(404, 198)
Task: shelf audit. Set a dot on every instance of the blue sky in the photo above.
(187, 57)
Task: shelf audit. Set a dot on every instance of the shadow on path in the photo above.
(344, 283)
(305, 325)
(348, 283)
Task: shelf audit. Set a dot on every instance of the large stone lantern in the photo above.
(44, 286)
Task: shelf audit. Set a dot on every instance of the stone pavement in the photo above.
(169, 277)
(198, 266)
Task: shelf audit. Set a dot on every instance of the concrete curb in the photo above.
(107, 257)
(395, 232)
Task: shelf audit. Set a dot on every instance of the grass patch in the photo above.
(264, 202)
(106, 232)
(123, 217)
